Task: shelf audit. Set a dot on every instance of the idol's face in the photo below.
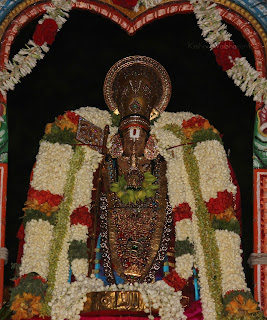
(134, 141)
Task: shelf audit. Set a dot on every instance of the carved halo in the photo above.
(148, 63)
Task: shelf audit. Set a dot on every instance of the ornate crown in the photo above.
(138, 88)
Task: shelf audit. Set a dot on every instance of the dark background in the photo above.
(72, 74)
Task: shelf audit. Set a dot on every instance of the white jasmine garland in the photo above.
(213, 169)
(184, 265)
(52, 165)
(214, 32)
(98, 117)
(69, 300)
(78, 232)
(82, 194)
(26, 59)
(38, 236)
(233, 277)
(79, 267)
(183, 230)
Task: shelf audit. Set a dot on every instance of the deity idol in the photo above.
(132, 211)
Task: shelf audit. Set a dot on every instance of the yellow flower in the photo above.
(239, 305)
(44, 207)
(26, 306)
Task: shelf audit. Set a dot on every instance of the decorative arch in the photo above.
(241, 18)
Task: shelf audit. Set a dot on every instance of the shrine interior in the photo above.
(72, 74)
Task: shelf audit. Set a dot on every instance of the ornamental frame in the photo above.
(131, 22)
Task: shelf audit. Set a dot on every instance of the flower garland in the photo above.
(195, 204)
(158, 296)
(226, 52)
(26, 59)
(128, 195)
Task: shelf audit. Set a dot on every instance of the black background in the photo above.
(72, 74)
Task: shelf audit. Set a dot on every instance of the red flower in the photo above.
(183, 211)
(128, 4)
(222, 53)
(45, 32)
(223, 201)
(83, 216)
(194, 122)
(73, 117)
(175, 281)
(44, 196)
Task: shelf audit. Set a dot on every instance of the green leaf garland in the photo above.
(57, 135)
(132, 196)
(183, 247)
(32, 214)
(78, 250)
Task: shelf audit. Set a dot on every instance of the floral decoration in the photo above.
(132, 196)
(27, 296)
(227, 55)
(240, 304)
(181, 212)
(223, 201)
(197, 207)
(45, 32)
(26, 306)
(175, 281)
(223, 51)
(82, 216)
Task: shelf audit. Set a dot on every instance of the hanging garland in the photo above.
(26, 59)
(209, 20)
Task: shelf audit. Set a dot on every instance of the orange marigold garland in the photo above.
(27, 296)
(240, 303)
(26, 306)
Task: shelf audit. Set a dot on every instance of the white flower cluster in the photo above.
(184, 265)
(96, 116)
(82, 194)
(248, 79)
(78, 232)
(176, 118)
(183, 230)
(22, 64)
(213, 169)
(69, 300)
(179, 190)
(210, 22)
(233, 277)
(52, 165)
(208, 304)
(79, 267)
(63, 266)
(38, 237)
(58, 11)
(26, 59)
